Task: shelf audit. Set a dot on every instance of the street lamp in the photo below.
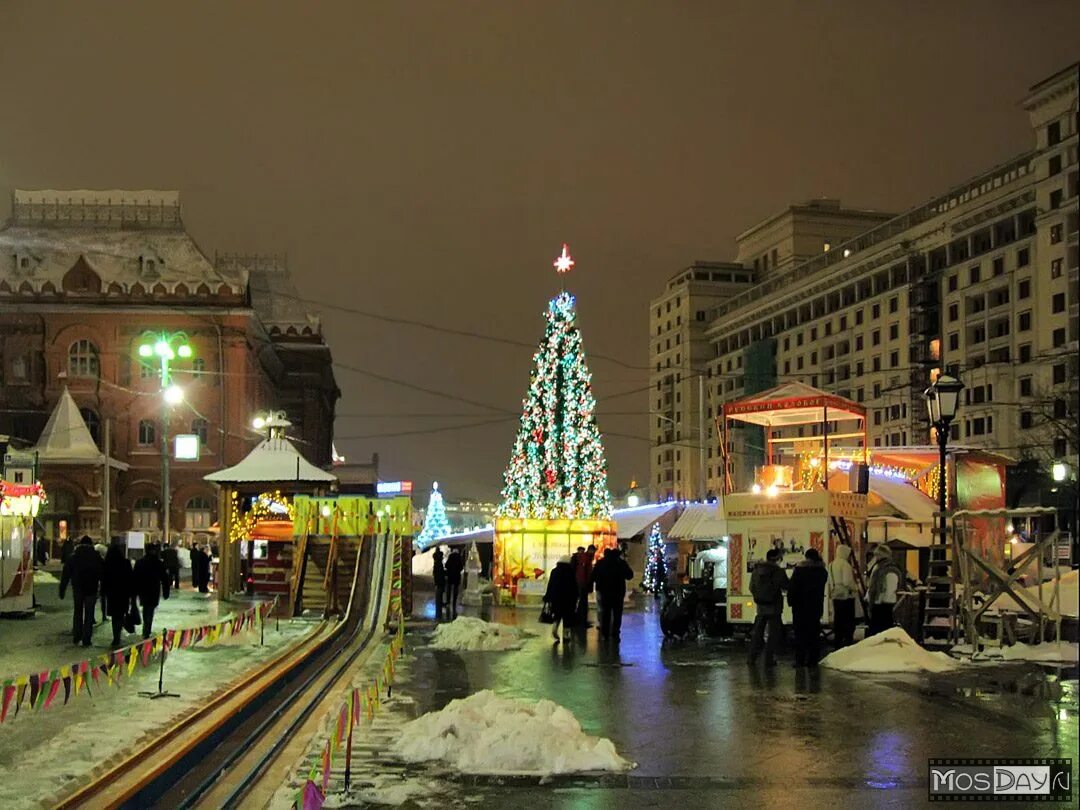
(942, 398)
(1059, 471)
(166, 347)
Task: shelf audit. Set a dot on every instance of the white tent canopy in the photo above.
(275, 460)
(634, 520)
(66, 439)
(700, 521)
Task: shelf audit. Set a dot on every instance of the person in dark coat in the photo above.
(83, 572)
(767, 585)
(562, 595)
(116, 584)
(200, 569)
(455, 564)
(609, 577)
(806, 595)
(582, 562)
(438, 573)
(66, 550)
(171, 557)
(151, 583)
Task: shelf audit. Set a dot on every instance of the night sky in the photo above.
(427, 160)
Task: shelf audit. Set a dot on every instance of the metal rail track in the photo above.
(183, 775)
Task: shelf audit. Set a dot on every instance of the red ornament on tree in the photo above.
(549, 477)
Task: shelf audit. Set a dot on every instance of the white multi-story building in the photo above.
(981, 280)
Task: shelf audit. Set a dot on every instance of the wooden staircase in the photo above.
(939, 615)
(328, 576)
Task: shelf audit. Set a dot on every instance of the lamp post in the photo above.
(942, 398)
(166, 347)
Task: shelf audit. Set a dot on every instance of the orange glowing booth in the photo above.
(526, 549)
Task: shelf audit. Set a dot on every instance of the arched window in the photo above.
(147, 434)
(201, 428)
(198, 513)
(83, 359)
(93, 424)
(144, 513)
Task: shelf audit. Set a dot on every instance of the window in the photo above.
(1024, 289)
(975, 273)
(858, 343)
(953, 282)
(198, 513)
(894, 303)
(1026, 420)
(1059, 374)
(954, 341)
(1053, 133)
(799, 363)
(1055, 198)
(146, 432)
(1055, 268)
(876, 365)
(894, 359)
(198, 367)
(787, 344)
(83, 359)
(859, 369)
(1055, 233)
(954, 312)
(877, 390)
(1060, 448)
(813, 333)
(894, 331)
(798, 339)
(877, 418)
(1024, 321)
(93, 424)
(1025, 386)
(1057, 303)
(1055, 165)
(1025, 353)
(1060, 409)
(875, 311)
(1058, 338)
(144, 514)
(875, 337)
(20, 369)
(147, 371)
(201, 428)
(1023, 257)
(999, 266)
(858, 317)
(828, 328)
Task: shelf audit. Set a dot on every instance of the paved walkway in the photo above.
(708, 731)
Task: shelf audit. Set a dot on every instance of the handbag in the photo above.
(133, 619)
(547, 614)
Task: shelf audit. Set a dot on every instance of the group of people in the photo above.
(575, 577)
(122, 587)
(447, 575)
(806, 591)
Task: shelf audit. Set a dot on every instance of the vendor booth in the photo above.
(19, 505)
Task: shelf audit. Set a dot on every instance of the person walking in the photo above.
(842, 594)
(610, 576)
(116, 585)
(806, 595)
(885, 579)
(583, 566)
(101, 549)
(82, 571)
(151, 584)
(66, 550)
(170, 556)
(767, 585)
(455, 564)
(562, 596)
(438, 573)
(200, 569)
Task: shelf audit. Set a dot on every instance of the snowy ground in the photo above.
(708, 731)
(44, 755)
(891, 651)
(469, 633)
(43, 641)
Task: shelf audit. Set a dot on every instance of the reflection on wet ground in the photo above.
(708, 730)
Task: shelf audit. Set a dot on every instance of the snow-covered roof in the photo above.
(66, 439)
(700, 521)
(274, 296)
(126, 238)
(634, 520)
(793, 403)
(275, 460)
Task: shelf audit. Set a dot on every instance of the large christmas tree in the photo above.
(435, 522)
(557, 469)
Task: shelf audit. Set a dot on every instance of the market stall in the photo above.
(19, 505)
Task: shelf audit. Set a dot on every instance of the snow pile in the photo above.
(1061, 652)
(1068, 597)
(467, 633)
(44, 577)
(891, 651)
(488, 734)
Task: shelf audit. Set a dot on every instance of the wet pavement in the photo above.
(706, 730)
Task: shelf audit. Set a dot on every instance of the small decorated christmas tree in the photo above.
(655, 576)
(435, 522)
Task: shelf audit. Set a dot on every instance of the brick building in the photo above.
(84, 278)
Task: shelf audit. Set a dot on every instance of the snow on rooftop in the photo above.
(83, 196)
(276, 459)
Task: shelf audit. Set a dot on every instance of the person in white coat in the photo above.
(842, 594)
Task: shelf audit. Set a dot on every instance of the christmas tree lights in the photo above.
(557, 468)
(435, 522)
(655, 576)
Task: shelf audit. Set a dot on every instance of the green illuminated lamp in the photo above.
(167, 346)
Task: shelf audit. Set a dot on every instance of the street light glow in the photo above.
(258, 423)
(1059, 471)
(146, 350)
(174, 394)
(184, 351)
